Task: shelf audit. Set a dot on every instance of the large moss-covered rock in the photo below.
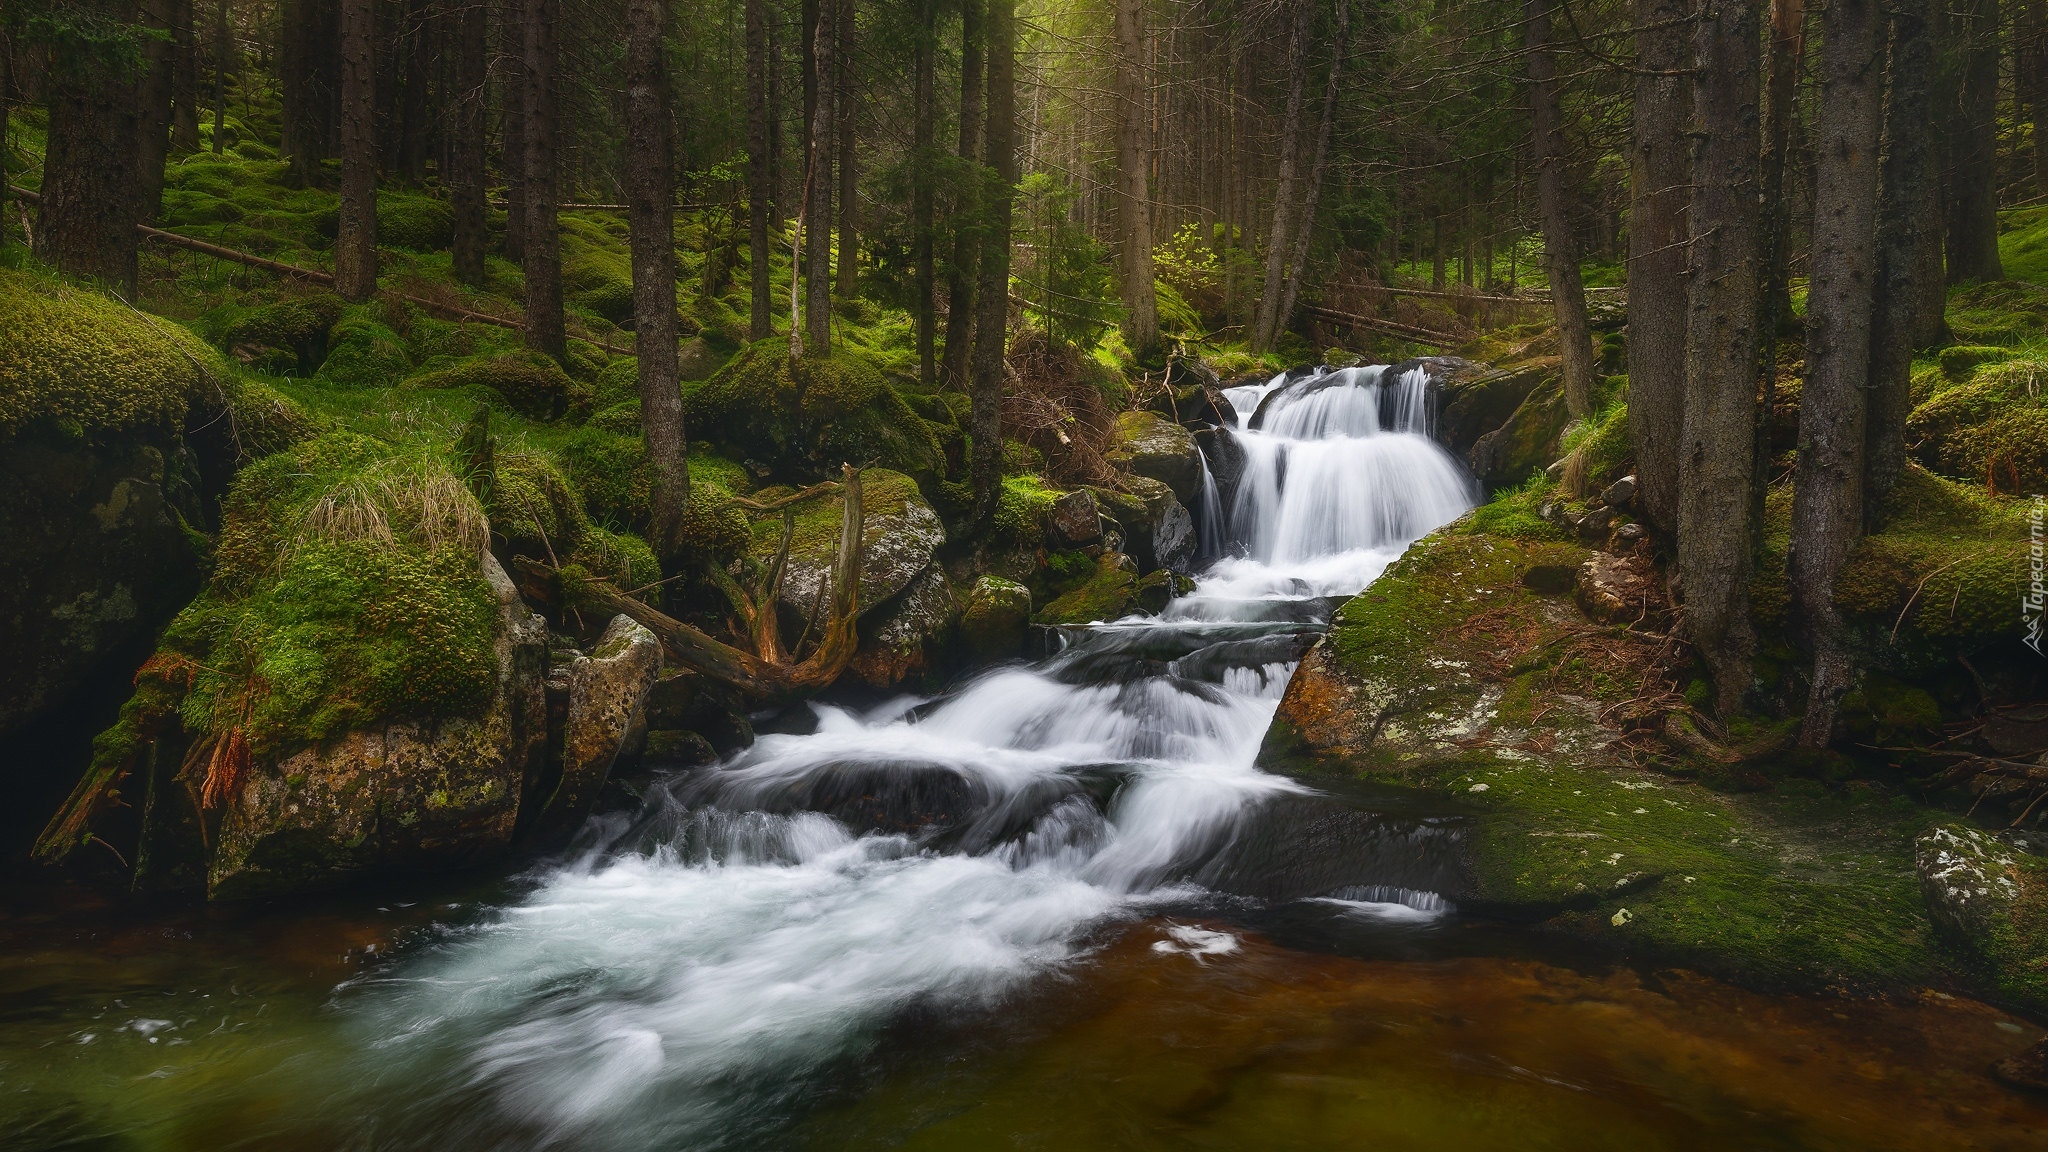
(1528, 441)
(1149, 444)
(1477, 401)
(400, 793)
(1110, 593)
(803, 421)
(1992, 428)
(1498, 705)
(899, 534)
(529, 383)
(1990, 894)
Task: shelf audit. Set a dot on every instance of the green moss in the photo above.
(1960, 360)
(1021, 508)
(528, 383)
(809, 418)
(90, 363)
(416, 222)
(363, 351)
(621, 557)
(1512, 514)
(296, 326)
(533, 507)
(2003, 312)
(1111, 593)
(612, 472)
(2017, 945)
(724, 329)
(347, 588)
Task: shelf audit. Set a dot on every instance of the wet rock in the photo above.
(1615, 589)
(1191, 395)
(1966, 877)
(1157, 590)
(994, 624)
(1527, 441)
(679, 747)
(714, 711)
(605, 718)
(1075, 519)
(1111, 593)
(397, 796)
(899, 642)
(1619, 493)
(1475, 400)
(899, 534)
(1148, 444)
(2027, 1071)
(1157, 529)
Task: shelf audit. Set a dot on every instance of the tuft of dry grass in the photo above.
(414, 501)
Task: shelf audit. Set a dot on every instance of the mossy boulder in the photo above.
(1989, 893)
(995, 620)
(1454, 684)
(1988, 428)
(805, 420)
(90, 364)
(905, 639)
(1148, 444)
(1530, 438)
(528, 383)
(900, 532)
(1110, 593)
(363, 351)
(419, 223)
(603, 694)
(288, 336)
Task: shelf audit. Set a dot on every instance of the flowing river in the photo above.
(1058, 907)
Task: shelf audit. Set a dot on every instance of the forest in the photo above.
(788, 529)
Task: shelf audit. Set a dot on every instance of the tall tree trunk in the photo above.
(543, 242)
(1827, 500)
(1971, 210)
(154, 92)
(1560, 245)
(512, 94)
(223, 52)
(1905, 174)
(2032, 68)
(466, 126)
(86, 226)
(817, 214)
(922, 194)
(1717, 448)
(960, 274)
(843, 89)
(1784, 62)
(650, 191)
(992, 298)
(1133, 153)
(1266, 327)
(1660, 173)
(355, 244)
(1297, 260)
(415, 56)
(310, 71)
(184, 77)
(760, 176)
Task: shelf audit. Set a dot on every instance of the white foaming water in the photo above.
(764, 920)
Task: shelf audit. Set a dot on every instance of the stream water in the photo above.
(1058, 907)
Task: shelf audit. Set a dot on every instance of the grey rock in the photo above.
(896, 545)
(1966, 877)
(1074, 520)
(606, 696)
(995, 621)
(1620, 493)
(898, 642)
(1149, 444)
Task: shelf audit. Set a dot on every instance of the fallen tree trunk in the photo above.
(1391, 328)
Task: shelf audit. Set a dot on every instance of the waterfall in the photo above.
(695, 966)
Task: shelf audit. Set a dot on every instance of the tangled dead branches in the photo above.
(1053, 403)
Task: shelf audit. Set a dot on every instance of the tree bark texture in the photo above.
(1297, 260)
(847, 270)
(1785, 56)
(1827, 500)
(512, 95)
(154, 91)
(1266, 327)
(542, 257)
(960, 273)
(650, 192)
(992, 297)
(1971, 208)
(184, 77)
(1660, 172)
(1134, 199)
(1717, 448)
(817, 213)
(355, 244)
(223, 52)
(86, 223)
(1905, 174)
(760, 176)
(1560, 242)
(923, 195)
(468, 146)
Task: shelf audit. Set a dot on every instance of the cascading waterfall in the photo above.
(699, 964)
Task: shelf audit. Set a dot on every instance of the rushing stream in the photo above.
(954, 923)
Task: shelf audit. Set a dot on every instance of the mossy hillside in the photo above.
(1489, 700)
(1986, 426)
(806, 419)
(527, 383)
(1941, 578)
(90, 363)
